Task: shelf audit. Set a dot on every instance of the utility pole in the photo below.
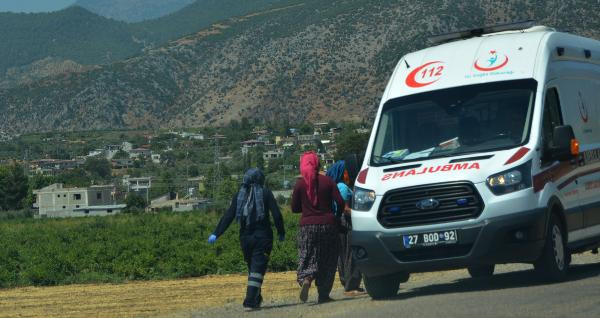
(285, 167)
(26, 162)
(217, 153)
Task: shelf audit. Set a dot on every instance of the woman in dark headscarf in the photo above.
(318, 239)
(350, 276)
(251, 207)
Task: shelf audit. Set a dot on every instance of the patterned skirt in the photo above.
(318, 250)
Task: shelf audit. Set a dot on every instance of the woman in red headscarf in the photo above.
(318, 237)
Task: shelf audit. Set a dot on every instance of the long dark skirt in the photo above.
(350, 276)
(318, 250)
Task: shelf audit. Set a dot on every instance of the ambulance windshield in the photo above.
(455, 121)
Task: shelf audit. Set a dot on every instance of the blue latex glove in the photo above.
(212, 239)
(281, 237)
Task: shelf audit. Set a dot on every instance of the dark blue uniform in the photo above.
(256, 241)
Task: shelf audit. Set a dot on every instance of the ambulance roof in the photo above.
(490, 57)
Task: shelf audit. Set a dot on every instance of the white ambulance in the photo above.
(484, 150)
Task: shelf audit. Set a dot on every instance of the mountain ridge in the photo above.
(133, 10)
(310, 61)
(87, 38)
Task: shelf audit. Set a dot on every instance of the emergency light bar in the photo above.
(469, 33)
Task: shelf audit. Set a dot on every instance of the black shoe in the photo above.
(323, 300)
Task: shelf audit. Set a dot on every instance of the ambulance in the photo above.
(485, 150)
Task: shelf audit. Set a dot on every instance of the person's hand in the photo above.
(281, 237)
(212, 239)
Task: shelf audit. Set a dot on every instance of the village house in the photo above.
(55, 201)
(97, 153)
(176, 204)
(111, 150)
(50, 167)
(121, 163)
(139, 153)
(155, 158)
(272, 154)
(140, 185)
(305, 140)
(248, 144)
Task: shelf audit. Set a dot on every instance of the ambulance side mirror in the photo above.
(564, 145)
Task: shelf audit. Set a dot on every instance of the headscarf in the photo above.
(309, 169)
(336, 171)
(353, 163)
(250, 198)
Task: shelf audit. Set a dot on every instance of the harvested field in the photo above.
(139, 298)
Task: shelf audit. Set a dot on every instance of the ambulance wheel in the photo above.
(554, 261)
(379, 287)
(481, 271)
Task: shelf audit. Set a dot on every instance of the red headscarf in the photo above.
(309, 169)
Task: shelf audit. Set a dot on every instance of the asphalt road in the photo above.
(514, 291)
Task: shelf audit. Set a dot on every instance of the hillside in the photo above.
(312, 61)
(80, 36)
(197, 16)
(73, 33)
(133, 10)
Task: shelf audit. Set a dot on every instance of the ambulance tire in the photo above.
(386, 286)
(481, 271)
(553, 264)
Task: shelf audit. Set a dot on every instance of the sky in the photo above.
(33, 5)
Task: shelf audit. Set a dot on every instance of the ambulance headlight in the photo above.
(512, 180)
(363, 199)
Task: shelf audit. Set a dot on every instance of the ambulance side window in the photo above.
(552, 117)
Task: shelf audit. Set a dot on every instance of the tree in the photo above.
(234, 124)
(121, 155)
(260, 161)
(75, 178)
(135, 203)
(13, 187)
(36, 182)
(194, 171)
(351, 142)
(98, 166)
(306, 129)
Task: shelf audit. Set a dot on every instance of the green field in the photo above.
(126, 247)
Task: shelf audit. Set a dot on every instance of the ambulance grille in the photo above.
(455, 201)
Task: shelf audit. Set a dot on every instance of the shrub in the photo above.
(126, 247)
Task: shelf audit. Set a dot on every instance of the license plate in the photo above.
(430, 239)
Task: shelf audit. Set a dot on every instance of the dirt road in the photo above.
(514, 291)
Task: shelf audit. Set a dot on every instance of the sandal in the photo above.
(354, 293)
(304, 290)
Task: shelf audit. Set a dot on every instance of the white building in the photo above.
(155, 158)
(272, 154)
(55, 201)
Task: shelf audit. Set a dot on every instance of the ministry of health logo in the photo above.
(493, 61)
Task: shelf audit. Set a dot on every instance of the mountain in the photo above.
(73, 33)
(133, 10)
(314, 60)
(33, 72)
(83, 37)
(199, 15)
